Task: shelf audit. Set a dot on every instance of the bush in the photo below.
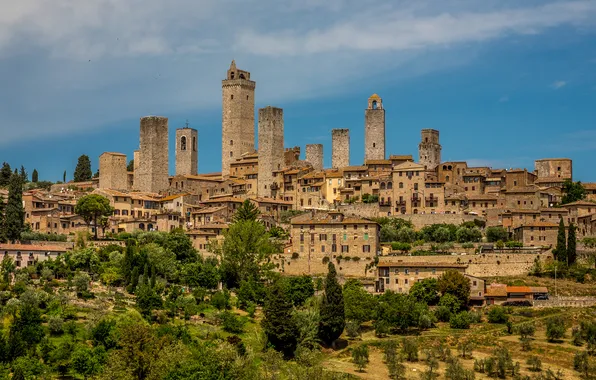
(410, 349)
(467, 245)
(514, 244)
(451, 302)
(443, 313)
(56, 325)
(221, 300)
(494, 234)
(534, 363)
(460, 320)
(360, 357)
(496, 314)
(295, 255)
(475, 316)
(403, 247)
(231, 323)
(353, 329)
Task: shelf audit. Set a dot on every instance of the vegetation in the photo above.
(83, 169)
(93, 207)
(573, 191)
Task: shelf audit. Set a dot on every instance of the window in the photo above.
(322, 248)
(301, 238)
(406, 281)
(415, 186)
(345, 236)
(333, 247)
(407, 271)
(366, 236)
(183, 143)
(401, 184)
(474, 283)
(366, 248)
(345, 248)
(397, 281)
(355, 226)
(433, 271)
(323, 237)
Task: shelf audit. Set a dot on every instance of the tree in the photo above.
(560, 252)
(34, 176)
(2, 220)
(14, 215)
(426, 291)
(5, 174)
(555, 328)
(278, 324)
(300, 289)
(83, 170)
(92, 207)
(494, 234)
(332, 309)
(572, 191)
(358, 303)
(84, 362)
(571, 245)
(131, 165)
(496, 314)
(455, 370)
(24, 175)
(360, 357)
(246, 212)
(454, 283)
(64, 177)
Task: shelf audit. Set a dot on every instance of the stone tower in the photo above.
(374, 129)
(112, 171)
(136, 156)
(314, 155)
(187, 152)
(340, 148)
(238, 117)
(153, 155)
(291, 156)
(429, 150)
(271, 149)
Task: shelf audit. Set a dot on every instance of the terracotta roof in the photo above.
(549, 179)
(554, 210)
(204, 178)
(172, 197)
(496, 291)
(539, 289)
(31, 247)
(224, 199)
(589, 185)
(522, 189)
(324, 218)
(209, 210)
(580, 203)
(519, 289)
(396, 157)
(419, 265)
(271, 200)
(483, 197)
(377, 162)
(355, 169)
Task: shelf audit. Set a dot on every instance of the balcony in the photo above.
(384, 203)
(432, 199)
(416, 199)
(401, 203)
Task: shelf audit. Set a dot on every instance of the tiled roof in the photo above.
(31, 247)
(172, 197)
(518, 289)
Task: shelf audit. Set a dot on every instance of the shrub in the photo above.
(460, 320)
(475, 316)
(325, 260)
(221, 300)
(496, 314)
(231, 323)
(360, 357)
(451, 302)
(467, 245)
(534, 363)
(353, 329)
(56, 325)
(514, 244)
(295, 255)
(443, 313)
(410, 349)
(399, 246)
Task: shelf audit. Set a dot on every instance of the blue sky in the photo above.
(506, 82)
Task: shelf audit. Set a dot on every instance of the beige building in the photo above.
(24, 255)
(408, 188)
(537, 234)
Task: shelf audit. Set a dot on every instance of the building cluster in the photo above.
(338, 200)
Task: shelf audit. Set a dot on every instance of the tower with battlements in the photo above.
(429, 150)
(340, 148)
(187, 151)
(374, 129)
(153, 155)
(271, 150)
(238, 117)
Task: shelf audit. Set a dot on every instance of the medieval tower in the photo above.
(112, 171)
(153, 155)
(314, 155)
(271, 149)
(340, 148)
(238, 117)
(429, 150)
(187, 151)
(374, 129)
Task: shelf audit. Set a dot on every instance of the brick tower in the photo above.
(153, 155)
(187, 152)
(374, 129)
(429, 150)
(340, 148)
(271, 149)
(238, 117)
(314, 155)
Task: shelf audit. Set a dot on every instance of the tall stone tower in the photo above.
(238, 117)
(429, 150)
(187, 152)
(314, 155)
(340, 148)
(112, 171)
(271, 149)
(153, 155)
(374, 129)
(136, 156)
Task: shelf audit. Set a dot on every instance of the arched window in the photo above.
(194, 143)
(232, 75)
(242, 76)
(444, 167)
(426, 139)
(374, 145)
(415, 211)
(389, 185)
(183, 143)
(382, 185)
(401, 185)
(142, 226)
(231, 142)
(447, 178)
(374, 105)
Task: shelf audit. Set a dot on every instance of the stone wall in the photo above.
(153, 155)
(315, 266)
(271, 148)
(340, 146)
(554, 168)
(374, 130)
(187, 151)
(421, 220)
(429, 150)
(238, 117)
(291, 156)
(314, 155)
(112, 171)
(363, 210)
(137, 161)
(555, 301)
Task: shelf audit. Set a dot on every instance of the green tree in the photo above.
(496, 233)
(332, 309)
(572, 191)
(64, 177)
(571, 245)
(83, 170)
(24, 175)
(246, 212)
(7, 268)
(14, 215)
(278, 324)
(84, 362)
(34, 176)
(92, 207)
(496, 314)
(5, 174)
(2, 220)
(426, 291)
(555, 328)
(360, 357)
(454, 283)
(300, 288)
(560, 251)
(131, 165)
(359, 304)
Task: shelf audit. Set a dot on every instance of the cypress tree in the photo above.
(34, 176)
(2, 220)
(571, 243)
(560, 252)
(146, 275)
(278, 324)
(24, 174)
(5, 174)
(134, 279)
(14, 214)
(153, 278)
(83, 170)
(128, 262)
(64, 177)
(332, 313)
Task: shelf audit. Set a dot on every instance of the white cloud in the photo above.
(558, 84)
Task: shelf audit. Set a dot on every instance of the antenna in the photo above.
(186, 124)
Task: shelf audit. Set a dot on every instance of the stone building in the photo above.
(271, 150)
(153, 155)
(136, 157)
(314, 155)
(112, 171)
(408, 188)
(554, 168)
(429, 149)
(187, 152)
(340, 148)
(374, 129)
(238, 117)
(291, 155)
(537, 234)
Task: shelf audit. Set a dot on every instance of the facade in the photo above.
(340, 148)
(314, 155)
(238, 117)
(537, 234)
(429, 149)
(374, 129)
(112, 171)
(271, 150)
(187, 151)
(153, 155)
(557, 169)
(24, 255)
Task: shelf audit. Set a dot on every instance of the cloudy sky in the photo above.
(505, 82)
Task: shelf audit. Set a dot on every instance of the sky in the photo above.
(505, 82)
